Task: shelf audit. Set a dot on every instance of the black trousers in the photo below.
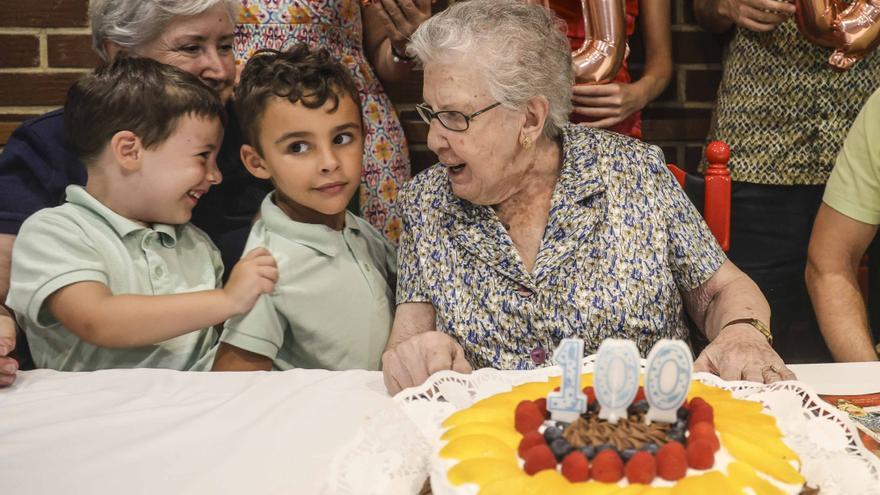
(770, 229)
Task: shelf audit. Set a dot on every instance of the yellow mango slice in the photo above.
(723, 423)
(758, 458)
(744, 475)
(634, 489)
(712, 482)
(499, 415)
(770, 444)
(471, 446)
(548, 481)
(590, 488)
(658, 490)
(483, 470)
(505, 486)
(736, 406)
(507, 435)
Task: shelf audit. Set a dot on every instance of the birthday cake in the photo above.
(709, 441)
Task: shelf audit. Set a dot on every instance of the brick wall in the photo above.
(45, 46)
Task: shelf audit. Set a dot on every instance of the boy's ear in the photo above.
(127, 150)
(253, 162)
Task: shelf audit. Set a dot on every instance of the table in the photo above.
(159, 431)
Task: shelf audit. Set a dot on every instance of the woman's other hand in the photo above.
(741, 352)
(412, 361)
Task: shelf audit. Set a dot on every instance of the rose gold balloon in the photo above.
(815, 19)
(858, 29)
(599, 59)
(853, 30)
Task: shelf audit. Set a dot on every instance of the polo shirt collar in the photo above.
(321, 238)
(78, 195)
(579, 178)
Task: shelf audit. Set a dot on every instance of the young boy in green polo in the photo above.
(116, 277)
(334, 302)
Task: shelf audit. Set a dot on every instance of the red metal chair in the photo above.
(710, 191)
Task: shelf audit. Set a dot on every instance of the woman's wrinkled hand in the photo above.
(401, 18)
(412, 361)
(606, 104)
(740, 352)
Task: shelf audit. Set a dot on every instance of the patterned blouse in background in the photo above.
(783, 110)
(336, 26)
(621, 242)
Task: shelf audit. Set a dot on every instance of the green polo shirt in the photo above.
(333, 304)
(83, 240)
(853, 188)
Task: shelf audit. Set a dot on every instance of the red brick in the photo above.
(71, 50)
(675, 124)
(35, 89)
(44, 13)
(697, 47)
(19, 50)
(702, 85)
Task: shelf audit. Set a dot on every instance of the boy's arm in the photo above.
(94, 314)
(232, 358)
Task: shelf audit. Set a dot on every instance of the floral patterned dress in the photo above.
(336, 26)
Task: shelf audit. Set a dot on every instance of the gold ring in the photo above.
(772, 368)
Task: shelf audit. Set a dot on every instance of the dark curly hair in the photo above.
(309, 76)
(133, 94)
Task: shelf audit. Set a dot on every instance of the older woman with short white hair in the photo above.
(36, 165)
(531, 229)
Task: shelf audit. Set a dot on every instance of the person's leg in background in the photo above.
(770, 232)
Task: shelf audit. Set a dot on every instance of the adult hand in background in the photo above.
(740, 352)
(607, 104)
(412, 361)
(401, 18)
(756, 15)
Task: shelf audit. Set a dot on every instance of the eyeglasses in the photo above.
(450, 119)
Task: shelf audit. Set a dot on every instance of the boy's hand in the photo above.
(8, 366)
(253, 275)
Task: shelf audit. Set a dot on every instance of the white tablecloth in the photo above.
(163, 432)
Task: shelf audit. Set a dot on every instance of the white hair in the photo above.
(133, 23)
(520, 48)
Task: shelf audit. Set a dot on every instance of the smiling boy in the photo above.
(116, 277)
(334, 302)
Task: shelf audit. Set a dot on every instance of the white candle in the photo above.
(667, 379)
(570, 402)
(616, 379)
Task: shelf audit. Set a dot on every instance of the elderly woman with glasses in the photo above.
(531, 229)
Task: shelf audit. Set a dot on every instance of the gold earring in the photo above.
(526, 142)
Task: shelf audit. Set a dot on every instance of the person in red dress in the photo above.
(617, 105)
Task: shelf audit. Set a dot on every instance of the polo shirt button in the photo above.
(366, 267)
(524, 291)
(158, 271)
(539, 355)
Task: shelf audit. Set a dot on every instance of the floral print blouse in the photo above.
(621, 244)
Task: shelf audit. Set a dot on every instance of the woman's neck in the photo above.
(536, 186)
